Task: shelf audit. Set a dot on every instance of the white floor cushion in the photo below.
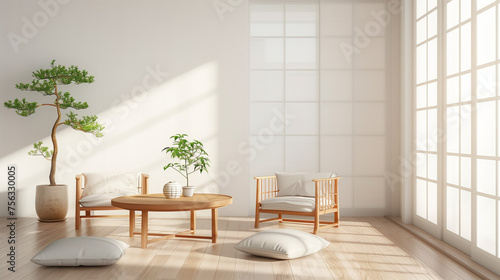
(81, 251)
(289, 203)
(100, 199)
(282, 244)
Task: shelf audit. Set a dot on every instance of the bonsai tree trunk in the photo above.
(53, 160)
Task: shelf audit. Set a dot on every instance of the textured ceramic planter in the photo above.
(51, 203)
(187, 191)
(172, 190)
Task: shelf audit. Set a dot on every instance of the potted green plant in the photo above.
(191, 158)
(52, 200)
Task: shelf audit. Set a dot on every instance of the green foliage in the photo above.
(44, 86)
(86, 124)
(191, 155)
(46, 79)
(46, 82)
(22, 107)
(40, 150)
(69, 102)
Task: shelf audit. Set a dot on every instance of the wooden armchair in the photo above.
(325, 200)
(101, 188)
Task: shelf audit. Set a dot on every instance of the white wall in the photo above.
(161, 68)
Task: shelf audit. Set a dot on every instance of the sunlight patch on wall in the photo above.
(138, 127)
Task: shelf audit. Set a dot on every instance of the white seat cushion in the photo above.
(101, 183)
(100, 199)
(282, 244)
(291, 183)
(289, 203)
(81, 251)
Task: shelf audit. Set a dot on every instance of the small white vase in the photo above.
(187, 191)
(172, 190)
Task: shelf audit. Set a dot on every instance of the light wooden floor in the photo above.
(362, 248)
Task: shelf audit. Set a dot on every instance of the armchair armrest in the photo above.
(267, 187)
(79, 187)
(144, 182)
(327, 179)
(264, 177)
(327, 193)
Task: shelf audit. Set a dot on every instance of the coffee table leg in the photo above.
(193, 221)
(144, 230)
(131, 224)
(214, 225)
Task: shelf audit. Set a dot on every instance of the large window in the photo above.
(457, 139)
(426, 115)
(457, 100)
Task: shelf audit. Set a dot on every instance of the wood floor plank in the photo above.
(263, 268)
(361, 248)
(156, 255)
(438, 263)
(193, 261)
(227, 262)
(341, 266)
(212, 253)
(156, 267)
(244, 266)
(319, 267)
(282, 270)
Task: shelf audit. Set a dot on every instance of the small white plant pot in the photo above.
(187, 191)
(172, 190)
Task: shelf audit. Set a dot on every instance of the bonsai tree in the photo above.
(46, 82)
(191, 156)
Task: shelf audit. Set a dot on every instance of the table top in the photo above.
(158, 202)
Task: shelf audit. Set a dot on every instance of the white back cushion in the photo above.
(102, 183)
(293, 183)
(99, 199)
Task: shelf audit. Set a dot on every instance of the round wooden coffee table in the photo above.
(158, 202)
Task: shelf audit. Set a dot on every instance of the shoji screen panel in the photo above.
(334, 101)
(284, 86)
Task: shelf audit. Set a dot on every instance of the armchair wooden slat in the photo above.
(142, 189)
(326, 201)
